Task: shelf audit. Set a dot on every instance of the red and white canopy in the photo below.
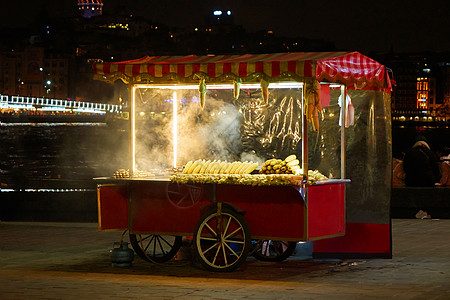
(340, 67)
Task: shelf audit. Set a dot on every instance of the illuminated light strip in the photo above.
(32, 190)
(16, 106)
(133, 129)
(280, 85)
(333, 85)
(86, 110)
(175, 129)
(53, 108)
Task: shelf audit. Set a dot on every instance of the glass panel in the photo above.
(246, 129)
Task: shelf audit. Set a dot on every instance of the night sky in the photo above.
(379, 25)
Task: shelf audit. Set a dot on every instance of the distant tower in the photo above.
(90, 8)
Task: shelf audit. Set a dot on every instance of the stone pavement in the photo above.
(72, 261)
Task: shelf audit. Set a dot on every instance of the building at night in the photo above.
(50, 58)
(421, 92)
(30, 72)
(90, 8)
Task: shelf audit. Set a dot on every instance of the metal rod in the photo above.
(343, 120)
(304, 137)
(175, 128)
(132, 131)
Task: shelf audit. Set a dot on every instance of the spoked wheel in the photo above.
(222, 240)
(155, 248)
(268, 250)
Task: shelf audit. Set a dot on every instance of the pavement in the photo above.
(73, 261)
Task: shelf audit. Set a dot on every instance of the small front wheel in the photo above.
(155, 248)
(222, 240)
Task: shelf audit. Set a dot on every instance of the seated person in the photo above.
(421, 165)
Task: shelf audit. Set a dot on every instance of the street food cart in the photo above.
(205, 135)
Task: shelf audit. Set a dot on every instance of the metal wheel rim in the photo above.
(149, 245)
(159, 243)
(220, 242)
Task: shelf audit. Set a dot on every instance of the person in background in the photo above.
(421, 164)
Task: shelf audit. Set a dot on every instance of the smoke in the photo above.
(252, 156)
(211, 133)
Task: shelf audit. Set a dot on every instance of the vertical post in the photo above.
(175, 128)
(304, 136)
(343, 120)
(132, 128)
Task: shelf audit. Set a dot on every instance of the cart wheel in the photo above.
(155, 248)
(222, 242)
(268, 250)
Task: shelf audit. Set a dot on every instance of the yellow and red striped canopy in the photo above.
(342, 67)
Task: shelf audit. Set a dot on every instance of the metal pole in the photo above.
(132, 128)
(343, 119)
(304, 136)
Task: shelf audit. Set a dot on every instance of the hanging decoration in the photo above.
(313, 106)
(265, 91)
(237, 88)
(202, 90)
(350, 111)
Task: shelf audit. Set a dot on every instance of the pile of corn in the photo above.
(124, 174)
(277, 166)
(219, 167)
(273, 172)
(121, 174)
(241, 179)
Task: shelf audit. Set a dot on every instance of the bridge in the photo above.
(48, 105)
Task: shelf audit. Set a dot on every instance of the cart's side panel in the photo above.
(326, 211)
(161, 207)
(273, 212)
(112, 206)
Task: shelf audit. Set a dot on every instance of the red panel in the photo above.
(242, 69)
(163, 207)
(211, 70)
(106, 69)
(308, 68)
(326, 210)
(259, 66)
(181, 70)
(270, 211)
(226, 68)
(165, 69)
(195, 68)
(151, 69)
(121, 68)
(292, 66)
(275, 68)
(112, 207)
(363, 238)
(276, 212)
(135, 70)
(324, 95)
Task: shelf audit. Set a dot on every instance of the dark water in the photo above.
(81, 151)
(72, 151)
(403, 138)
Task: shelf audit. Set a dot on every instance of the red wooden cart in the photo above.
(227, 221)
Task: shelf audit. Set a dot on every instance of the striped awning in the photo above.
(343, 67)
